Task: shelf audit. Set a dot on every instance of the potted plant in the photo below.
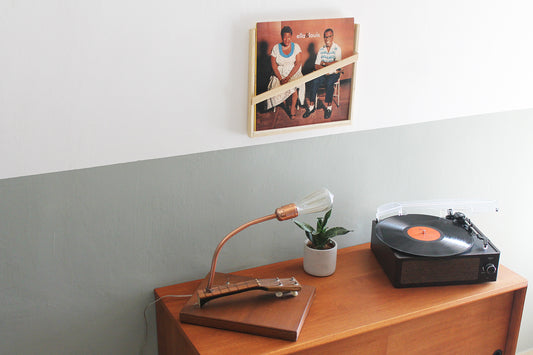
(320, 251)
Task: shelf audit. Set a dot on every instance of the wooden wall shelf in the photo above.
(356, 310)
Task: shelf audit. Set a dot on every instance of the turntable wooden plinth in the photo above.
(356, 310)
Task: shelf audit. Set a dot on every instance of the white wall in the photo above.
(90, 83)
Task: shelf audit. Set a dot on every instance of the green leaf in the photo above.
(306, 227)
(321, 236)
(326, 217)
(319, 225)
(335, 231)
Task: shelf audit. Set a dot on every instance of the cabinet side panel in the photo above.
(170, 340)
(516, 319)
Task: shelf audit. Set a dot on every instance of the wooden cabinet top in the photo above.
(358, 298)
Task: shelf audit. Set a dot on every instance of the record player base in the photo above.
(356, 310)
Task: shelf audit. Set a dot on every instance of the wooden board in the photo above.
(255, 312)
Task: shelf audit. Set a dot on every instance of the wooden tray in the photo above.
(255, 312)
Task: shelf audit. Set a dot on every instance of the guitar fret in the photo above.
(218, 290)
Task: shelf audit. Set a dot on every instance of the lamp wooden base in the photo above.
(255, 312)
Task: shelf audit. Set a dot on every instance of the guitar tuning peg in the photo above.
(279, 294)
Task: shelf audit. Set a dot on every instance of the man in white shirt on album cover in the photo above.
(327, 55)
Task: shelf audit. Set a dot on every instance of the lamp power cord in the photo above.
(146, 318)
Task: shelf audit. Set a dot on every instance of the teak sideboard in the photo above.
(356, 310)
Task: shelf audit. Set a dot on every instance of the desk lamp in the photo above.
(318, 201)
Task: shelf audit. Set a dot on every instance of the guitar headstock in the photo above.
(280, 285)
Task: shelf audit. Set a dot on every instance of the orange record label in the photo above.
(425, 234)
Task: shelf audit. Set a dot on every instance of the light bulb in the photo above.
(318, 201)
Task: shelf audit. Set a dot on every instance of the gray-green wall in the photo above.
(81, 251)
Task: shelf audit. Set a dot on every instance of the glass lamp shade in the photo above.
(318, 201)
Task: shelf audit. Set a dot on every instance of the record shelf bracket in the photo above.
(254, 99)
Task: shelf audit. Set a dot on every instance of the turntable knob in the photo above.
(490, 269)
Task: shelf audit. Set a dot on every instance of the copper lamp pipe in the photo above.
(283, 213)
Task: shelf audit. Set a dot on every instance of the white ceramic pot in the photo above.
(320, 262)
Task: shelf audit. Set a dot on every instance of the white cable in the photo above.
(146, 319)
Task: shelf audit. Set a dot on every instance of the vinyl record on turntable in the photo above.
(424, 235)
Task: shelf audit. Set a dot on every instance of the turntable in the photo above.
(426, 250)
